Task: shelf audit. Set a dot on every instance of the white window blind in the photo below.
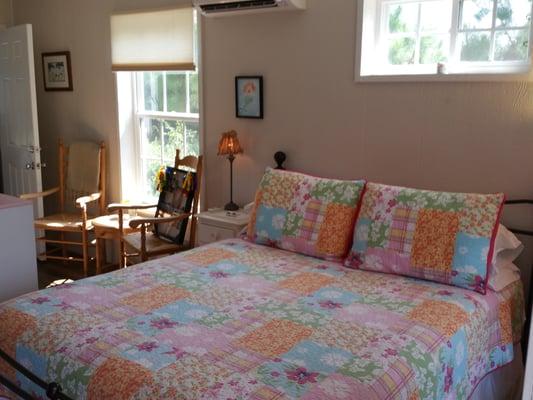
(153, 41)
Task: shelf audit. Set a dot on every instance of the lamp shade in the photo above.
(229, 144)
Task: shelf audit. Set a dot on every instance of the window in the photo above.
(433, 37)
(166, 118)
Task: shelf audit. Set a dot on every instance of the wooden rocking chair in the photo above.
(82, 180)
(178, 203)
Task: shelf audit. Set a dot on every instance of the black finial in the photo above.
(280, 158)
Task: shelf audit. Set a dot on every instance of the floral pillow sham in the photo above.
(305, 214)
(438, 236)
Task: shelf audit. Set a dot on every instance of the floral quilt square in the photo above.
(117, 379)
(444, 317)
(335, 232)
(306, 282)
(275, 338)
(434, 239)
(154, 298)
(208, 256)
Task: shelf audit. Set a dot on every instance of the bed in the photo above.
(237, 320)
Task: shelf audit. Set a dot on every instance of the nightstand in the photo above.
(218, 225)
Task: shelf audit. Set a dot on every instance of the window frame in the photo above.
(456, 71)
(139, 114)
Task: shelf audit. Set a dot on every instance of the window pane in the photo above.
(511, 45)
(477, 14)
(153, 91)
(150, 169)
(436, 16)
(434, 49)
(402, 51)
(403, 17)
(475, 46)
(151, 138)
(193, 93)
(192, 138)
(176, 92)
(513, 13)
(173, 137)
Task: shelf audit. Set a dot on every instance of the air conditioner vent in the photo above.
(239, 5)
(226, 8)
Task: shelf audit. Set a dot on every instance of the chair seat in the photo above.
(154, 244)
(62, 222)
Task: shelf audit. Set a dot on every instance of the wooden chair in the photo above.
(171, 218)
(82, 180)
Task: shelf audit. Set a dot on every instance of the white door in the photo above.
(19, 132)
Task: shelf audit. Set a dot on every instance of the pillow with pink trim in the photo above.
(438, 236)
(305, 214)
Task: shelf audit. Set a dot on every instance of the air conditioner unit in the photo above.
(219, 8)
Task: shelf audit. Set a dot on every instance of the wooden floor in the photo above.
(52, 273)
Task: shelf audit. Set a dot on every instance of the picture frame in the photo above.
(249, 97)
(57, 71)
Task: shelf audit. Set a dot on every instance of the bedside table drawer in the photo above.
(210, 234)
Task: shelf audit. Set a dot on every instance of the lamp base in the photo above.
(231, 206)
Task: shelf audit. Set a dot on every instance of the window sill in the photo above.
(517, 75)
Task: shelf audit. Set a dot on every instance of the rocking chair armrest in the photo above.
(81, 202)
(36, 195)
(135, 223)
(119, 206)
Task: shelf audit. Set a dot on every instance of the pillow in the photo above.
(503, 276)
(438, 236)
(305, 214)
(507, 247)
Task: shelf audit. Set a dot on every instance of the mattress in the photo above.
(239, 320)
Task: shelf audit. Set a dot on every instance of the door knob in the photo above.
(28, 166)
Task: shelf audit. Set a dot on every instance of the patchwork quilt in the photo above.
(235, 320)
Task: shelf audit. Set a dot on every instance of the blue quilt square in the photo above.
(36, 364)
(330, 299)
(314, 357)
(269, 223)
(470, 259)
(182, 312)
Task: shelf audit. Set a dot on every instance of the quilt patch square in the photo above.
(434, 239)
(154, 298)
(336, 228)
(306, 282)
(275, 338)
(402, 229)
(269, 223)
(117, 379)
(313, 218)
(209, 256)
(444, 317)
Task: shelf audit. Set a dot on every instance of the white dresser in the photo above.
(18, 263)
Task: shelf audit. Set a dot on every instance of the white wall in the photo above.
(453, 136)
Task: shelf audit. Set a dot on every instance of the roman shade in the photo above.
(153, 40)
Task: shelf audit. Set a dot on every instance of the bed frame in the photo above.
(529, 295)
(55, 392)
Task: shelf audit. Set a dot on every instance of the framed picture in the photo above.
(249, 96)
(57, 73)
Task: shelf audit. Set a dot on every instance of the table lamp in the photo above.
(229, 146)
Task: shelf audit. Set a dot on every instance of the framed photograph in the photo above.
(57, 73)
(249, 96)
